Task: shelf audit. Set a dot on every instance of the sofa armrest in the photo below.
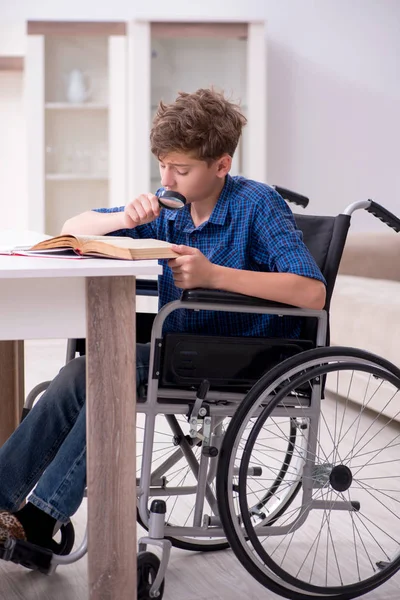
(372, 254)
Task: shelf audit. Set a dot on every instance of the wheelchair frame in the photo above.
(152, 407)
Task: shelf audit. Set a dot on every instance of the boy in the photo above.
(233, 234)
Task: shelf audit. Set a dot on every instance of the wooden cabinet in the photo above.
(75, 91)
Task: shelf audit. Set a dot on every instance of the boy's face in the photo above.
(195, 179)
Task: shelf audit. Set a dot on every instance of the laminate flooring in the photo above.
(190, 576)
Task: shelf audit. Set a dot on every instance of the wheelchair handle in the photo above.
(379, 211)
(291, 196)
(383, 214)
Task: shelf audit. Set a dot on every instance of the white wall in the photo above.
(334, 87)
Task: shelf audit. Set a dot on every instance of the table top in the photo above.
(23, 267)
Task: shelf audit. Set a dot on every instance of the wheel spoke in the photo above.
(377, 452)
(344, 411)
(373, 422)
(363, 518)
(368, 489)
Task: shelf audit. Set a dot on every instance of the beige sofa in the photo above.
(365, 309)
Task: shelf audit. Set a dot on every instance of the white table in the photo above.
(60, 298)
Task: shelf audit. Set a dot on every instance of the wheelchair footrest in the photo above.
(26, 554)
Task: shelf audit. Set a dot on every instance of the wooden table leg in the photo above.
(111, 439)
(12, 389)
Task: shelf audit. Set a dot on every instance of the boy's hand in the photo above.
(142, 210)
(191, 269)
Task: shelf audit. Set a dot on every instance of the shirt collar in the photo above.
(220, 211)
(218, 215)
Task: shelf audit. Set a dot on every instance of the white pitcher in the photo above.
(78, 87)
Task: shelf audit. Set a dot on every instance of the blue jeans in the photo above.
(48, 449)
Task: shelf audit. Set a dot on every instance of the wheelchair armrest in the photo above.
(222, 297)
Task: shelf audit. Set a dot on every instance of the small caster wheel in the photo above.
(66, 543)
(147, 569)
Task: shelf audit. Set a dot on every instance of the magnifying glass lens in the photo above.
(173, 203)
(171, 200)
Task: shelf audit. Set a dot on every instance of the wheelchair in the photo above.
(258, 445)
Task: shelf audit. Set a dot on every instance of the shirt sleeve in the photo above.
(276, 243)
(142, 231)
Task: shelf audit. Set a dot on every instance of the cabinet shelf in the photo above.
(76, 177)
(78, 106)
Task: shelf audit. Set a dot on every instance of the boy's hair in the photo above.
(203, 124)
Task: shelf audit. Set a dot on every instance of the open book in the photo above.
(101, 246)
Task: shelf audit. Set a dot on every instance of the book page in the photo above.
(125, 242)
(60, 241)
(49, 253)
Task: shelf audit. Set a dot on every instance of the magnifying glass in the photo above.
(171, 200)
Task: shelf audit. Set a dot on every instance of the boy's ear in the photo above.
(224, 165)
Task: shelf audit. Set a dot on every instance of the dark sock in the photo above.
(38, 525)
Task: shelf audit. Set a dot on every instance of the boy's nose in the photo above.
(167, 179)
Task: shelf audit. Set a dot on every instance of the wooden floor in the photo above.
(190, 576)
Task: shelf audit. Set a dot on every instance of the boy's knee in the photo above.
(73, 373)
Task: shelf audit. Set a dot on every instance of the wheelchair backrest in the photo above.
(325, 237)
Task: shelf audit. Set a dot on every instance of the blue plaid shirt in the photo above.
(251, 228)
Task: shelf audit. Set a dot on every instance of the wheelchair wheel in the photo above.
(339, 538)
(147, 569)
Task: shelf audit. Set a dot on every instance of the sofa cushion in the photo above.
(372, 254)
